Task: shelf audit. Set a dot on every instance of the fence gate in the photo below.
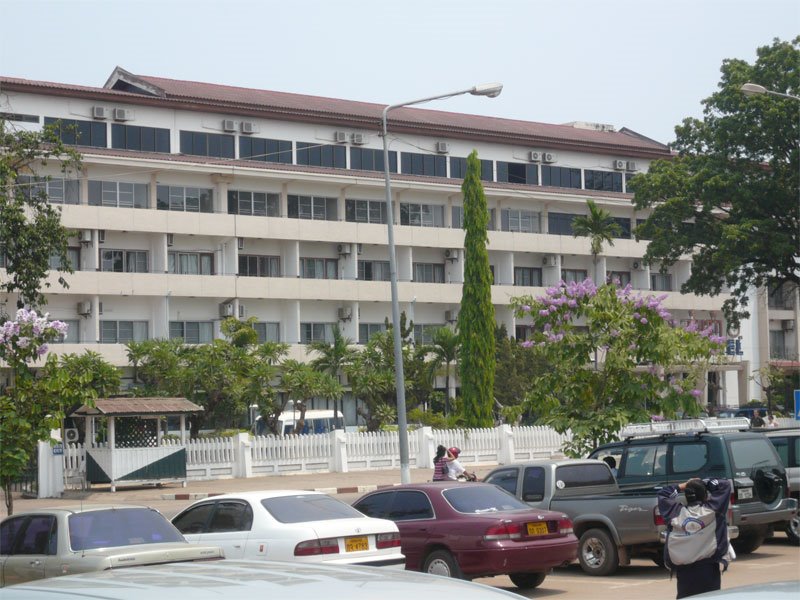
(28, 483)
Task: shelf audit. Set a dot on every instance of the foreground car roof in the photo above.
(776, 590)
(251, 579)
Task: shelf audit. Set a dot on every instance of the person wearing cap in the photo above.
(455, 470)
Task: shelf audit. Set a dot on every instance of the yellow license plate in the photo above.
(537, 528)
(356, 544)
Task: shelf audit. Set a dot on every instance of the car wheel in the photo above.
(527, 581)
(441, 562)
(748, 543)
(793, 530)
(598, 553)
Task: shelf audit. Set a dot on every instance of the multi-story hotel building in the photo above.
(199, 201)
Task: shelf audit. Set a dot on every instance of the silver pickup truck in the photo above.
(612, 527)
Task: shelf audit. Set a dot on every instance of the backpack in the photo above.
(692, 535)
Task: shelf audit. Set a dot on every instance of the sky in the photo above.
(641, 64)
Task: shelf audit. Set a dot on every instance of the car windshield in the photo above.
(312, 507)
(109, 528)
(751, 453)
(473, 499)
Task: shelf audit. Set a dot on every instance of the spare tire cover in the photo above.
(768, 485)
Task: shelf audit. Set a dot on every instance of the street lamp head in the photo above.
(492, 90)
(753, 89)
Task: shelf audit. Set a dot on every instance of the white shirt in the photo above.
(454, 469)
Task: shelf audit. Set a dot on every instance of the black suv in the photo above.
(653, 455)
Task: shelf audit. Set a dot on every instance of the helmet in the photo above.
(454, 451)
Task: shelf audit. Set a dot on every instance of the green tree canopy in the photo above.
(599, 226)
(730, 196)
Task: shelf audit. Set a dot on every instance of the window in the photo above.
(689, 458)
(428, 273)
(187, 199)
(73, 258)
(122, 332)
(8, 533)
(781, 297)
(20, 118)
(197, 143)
(481, 499)
(527, 276)
(410, 505)
(422, 215)
(79, 133)
(583, 475)
(574, 275)
(231, 516)
(523, 332)
(517, 173)
(749, 453)
(146, 139)
(606, 181)
(506, 479)
(194, 519)
(423, 332)
(645, 461)
(432, 165)
(268, 332)
(457, 217)
(321, 155)
(533, 484)
(37, 535)
(367, 330)
(124, 261)
(524, 221)
(56, 190)
(559, 223)
(274, 151)
(319, 268)
(257, 204)
(458, 168)
(191, 263)
(365, 211)
(661, 282)
(561, 177)
(307, 508)
(192, 332)
(73, 332)
(251, 265)
(619, 278)
(368, 159)
(639, 223)
(118, 194)
(316, 332)
(624, 226)
(113, 527)
(373, 270)
(376, 505)
(312, 207)
(777, 344)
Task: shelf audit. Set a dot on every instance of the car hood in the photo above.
(150, 554)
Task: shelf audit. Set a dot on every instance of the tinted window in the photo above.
(782, 448)
(688, 458)
(645, 461)
(582, 475)
(376, 505)
(506, 479)
(533, 484)
(36, 537)
(194, 519)
(316, 507)
(479, 498)
(750, 453)
(408, 505)
(8, 531)
(119, 527)
(231, 516)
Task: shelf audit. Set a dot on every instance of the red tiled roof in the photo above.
(139, 406)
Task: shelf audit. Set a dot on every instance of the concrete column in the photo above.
(284, 201)
(244, 456)
(339, 445)
(427, 448)
(84, 187)
(506, 453)
(153, 190)
(50, 471)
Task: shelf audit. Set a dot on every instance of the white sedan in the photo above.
(291, 525)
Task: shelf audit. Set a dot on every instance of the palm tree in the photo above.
(599, 226)
(444, 349)
(332, 359)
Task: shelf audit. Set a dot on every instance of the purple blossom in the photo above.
(643, 321)
(696, 393)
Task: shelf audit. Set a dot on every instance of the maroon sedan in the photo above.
(473, 530)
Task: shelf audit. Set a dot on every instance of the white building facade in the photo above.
(199, 201)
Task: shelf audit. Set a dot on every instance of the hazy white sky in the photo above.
(641, 64)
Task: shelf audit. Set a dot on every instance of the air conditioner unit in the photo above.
(240, 243)
(442, 147)
(86, 236)
(123, 114)
(787, 324)
(170, 239)
(535, 156)
(551, 260)
(549, 157)
(632, 165)
(226, 309)
(100, 112)
(84, 308)
(242, 311)
(249, 127)
(340, 137)
(638, 265)
(450, 316)
(345, 313)
(343, 248)
(71, 435)
(101, 236)
(229, 125)
(620, 165)
(452, 254)
(359, 139)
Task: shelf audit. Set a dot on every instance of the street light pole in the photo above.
(491, 90)
(753, 89)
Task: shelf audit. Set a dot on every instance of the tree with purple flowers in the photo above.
(616, 357)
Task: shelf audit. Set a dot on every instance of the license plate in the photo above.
(356, 544)
(537, 528)
(745, 493)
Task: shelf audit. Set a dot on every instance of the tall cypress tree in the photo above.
(476, 319)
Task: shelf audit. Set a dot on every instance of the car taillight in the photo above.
(564, 526)
(503, 531)
(387, 540)
(658, 518)
(316, 547)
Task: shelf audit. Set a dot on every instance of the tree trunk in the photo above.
(9, 498)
